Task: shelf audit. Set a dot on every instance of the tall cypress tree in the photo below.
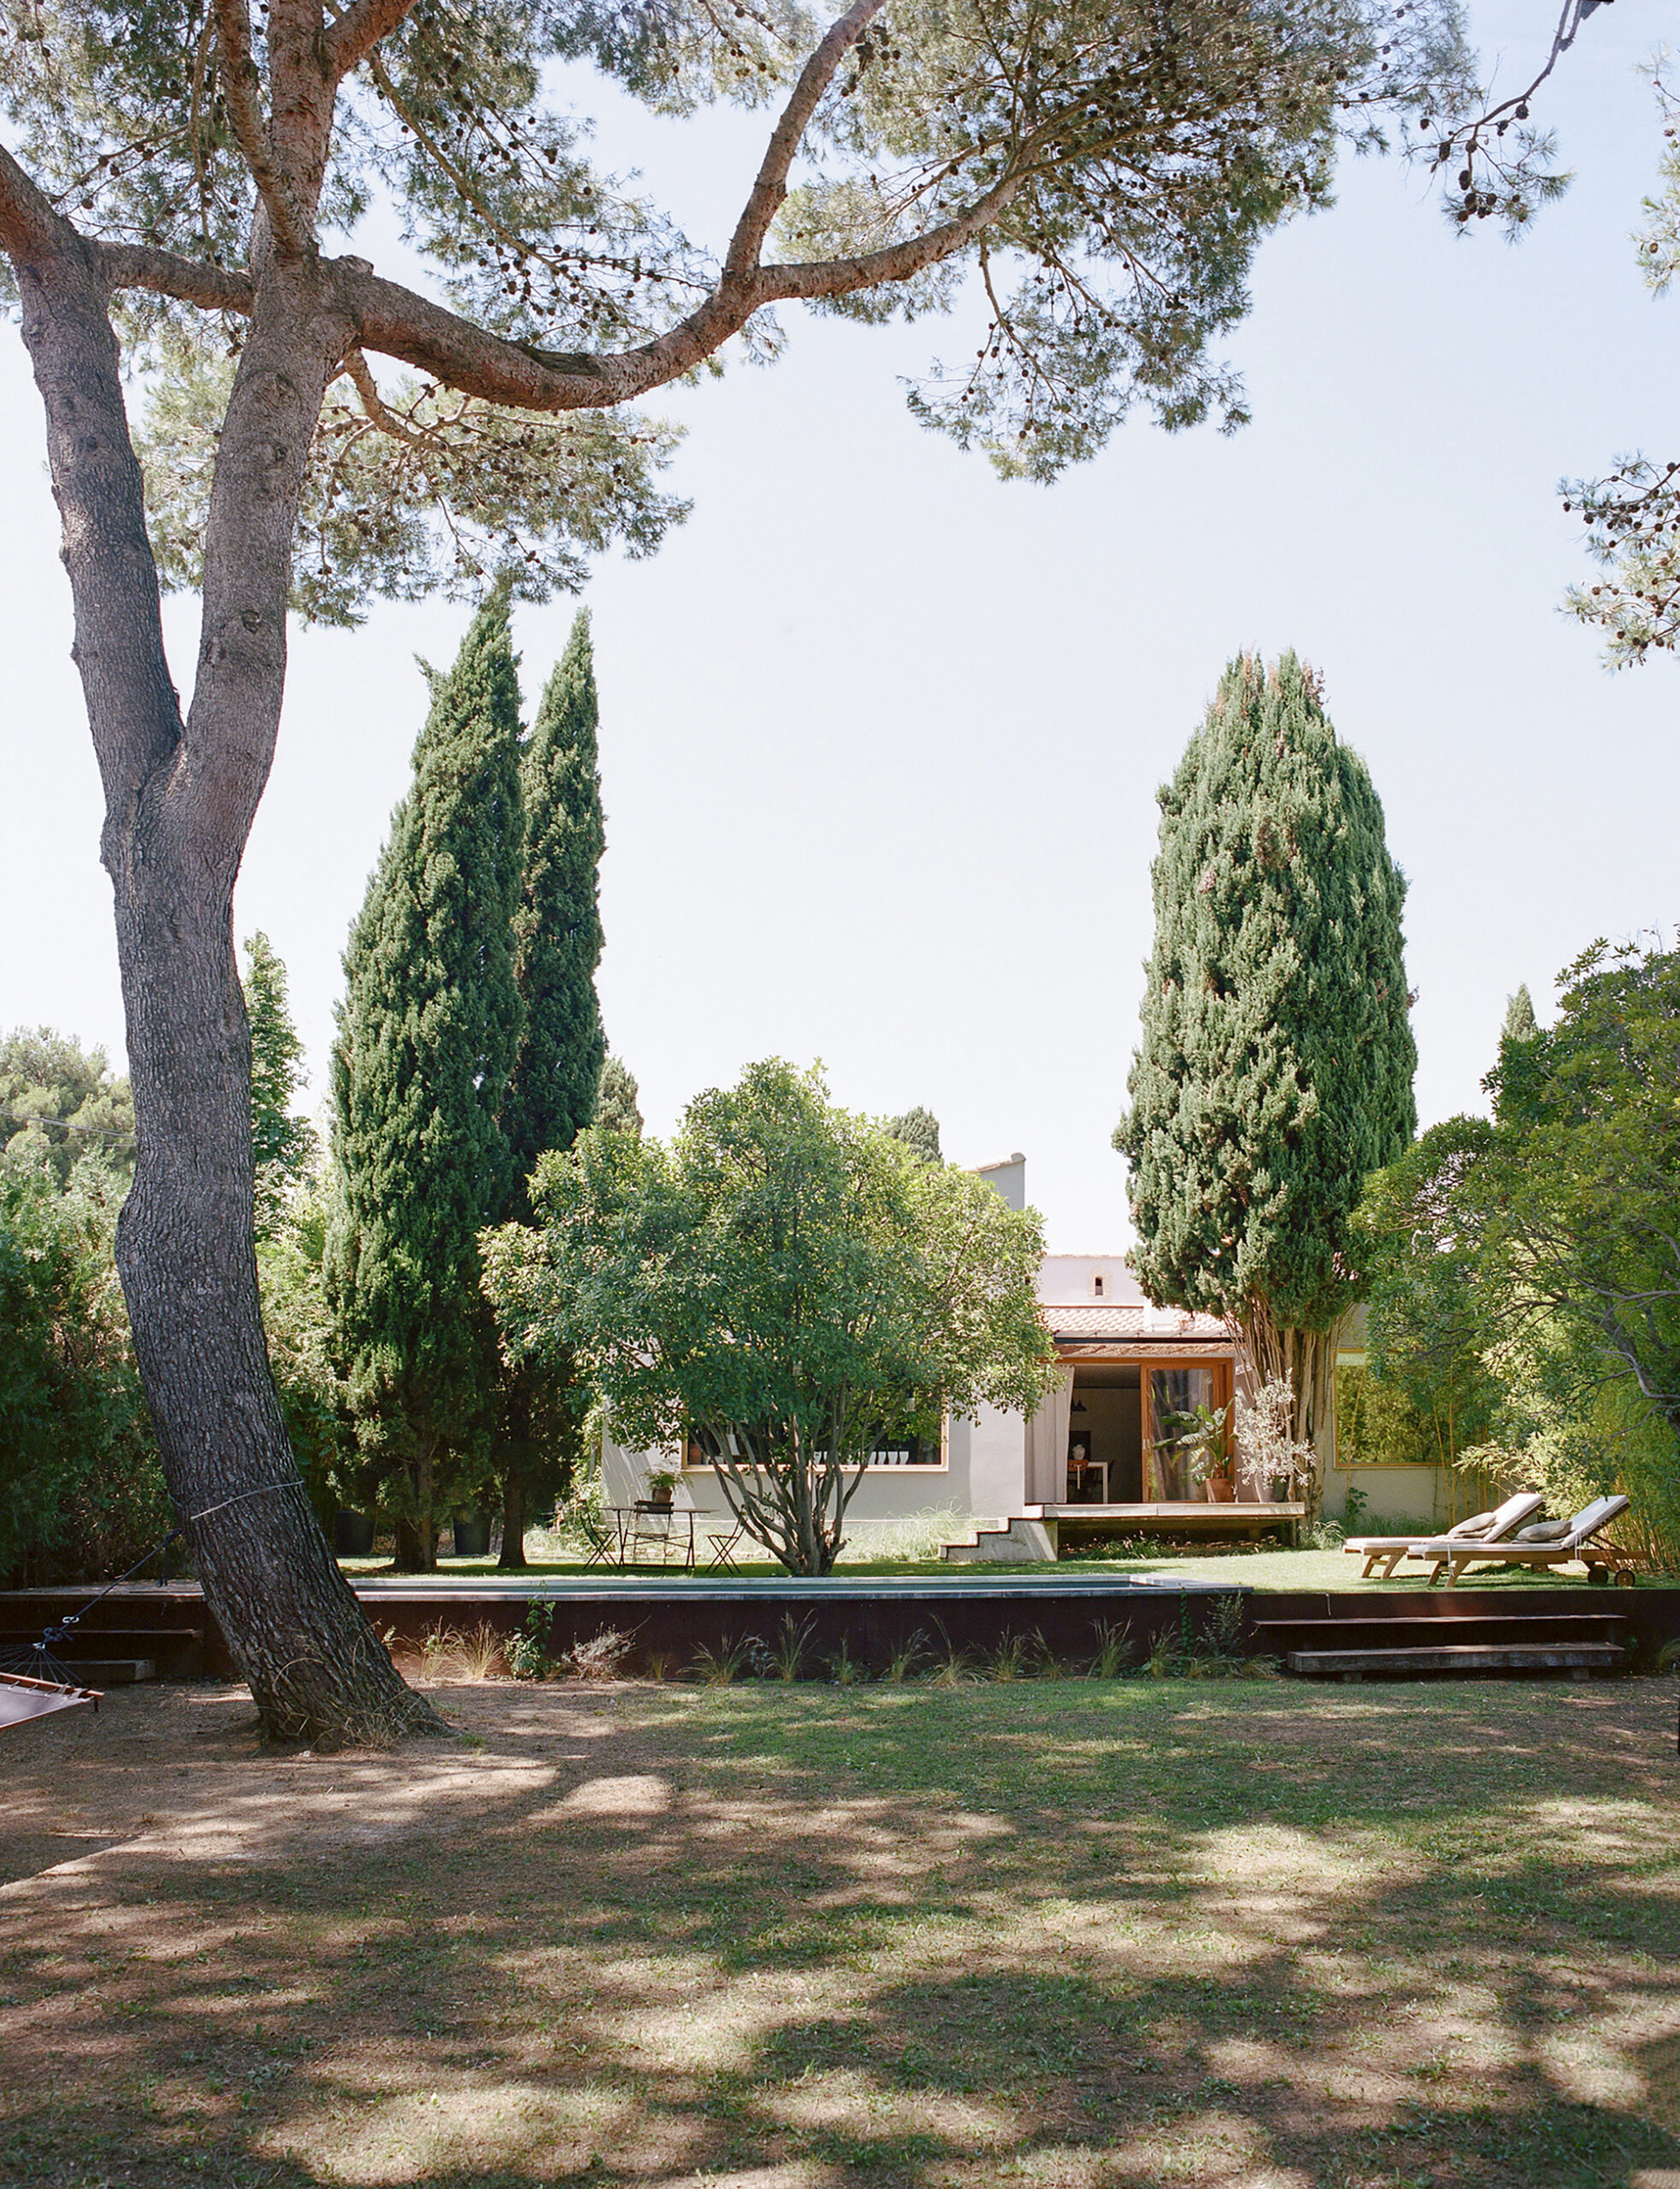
(1276, 1061)
(1520, 1023)
(618, 1105)
(557, 1075)
(428, 1035)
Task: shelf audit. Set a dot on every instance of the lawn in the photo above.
(1064, 1932)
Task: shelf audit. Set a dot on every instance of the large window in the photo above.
(892, 1451)
(1376, 1425)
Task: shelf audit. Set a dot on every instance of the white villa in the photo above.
(1088, 1462)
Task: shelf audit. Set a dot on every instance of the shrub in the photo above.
(81, 1492)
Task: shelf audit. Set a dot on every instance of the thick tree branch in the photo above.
(189, 280)
(30, 225)
(397, 322)
(241, 87)
(770, 186)
(356, 33)
(897, 262)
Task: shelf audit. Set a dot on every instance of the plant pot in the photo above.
(1221, 1489)
(353, 1534)
(472, 1535)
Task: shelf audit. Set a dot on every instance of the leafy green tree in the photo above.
(1520, 1023)
(283, 1144)
(1113, 166)
(299, 1321)
(617, 1106)
(81, 1494)
(918, 1128)
(786, 1282)
(427, 1033)
(1274, 1072)
(59, 1102)
(1546, 1235)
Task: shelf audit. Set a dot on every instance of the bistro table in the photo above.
(669, 1526)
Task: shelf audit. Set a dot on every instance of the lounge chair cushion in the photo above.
(1477, 1524)
(1544, 1532)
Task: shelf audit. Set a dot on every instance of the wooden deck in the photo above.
(1194, 1517)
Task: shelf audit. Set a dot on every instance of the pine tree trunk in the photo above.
(180, 800)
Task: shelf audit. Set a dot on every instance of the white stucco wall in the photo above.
(983, 1477)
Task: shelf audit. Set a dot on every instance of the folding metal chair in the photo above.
(723, 1549)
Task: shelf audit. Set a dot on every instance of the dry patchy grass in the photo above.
(1065, 1932)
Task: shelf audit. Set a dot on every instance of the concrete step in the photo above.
(1027, 1541)
(1580, 1658)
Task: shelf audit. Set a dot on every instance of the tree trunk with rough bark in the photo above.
(516, 1519)
(180, 796)
(1306, 1360)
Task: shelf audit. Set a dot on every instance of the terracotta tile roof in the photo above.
(1088, 1321)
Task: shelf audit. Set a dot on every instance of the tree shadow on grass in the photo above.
(801, 1939)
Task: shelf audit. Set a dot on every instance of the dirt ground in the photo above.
(1064, 1931)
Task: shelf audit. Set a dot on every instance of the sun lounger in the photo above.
(1387, 1551)
(1541, 1548)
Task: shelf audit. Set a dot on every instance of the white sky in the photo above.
(881, 736)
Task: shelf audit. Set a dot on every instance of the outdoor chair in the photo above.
(1542, 1547)
(605, 1542)
(723, 1548)
(1388, 1551)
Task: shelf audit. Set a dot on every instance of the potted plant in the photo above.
(661, 1484)
(1201, 1437)
(1266, 1432)
(472, 1535)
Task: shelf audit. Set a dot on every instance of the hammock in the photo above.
(21, 1699)
(33, 1681)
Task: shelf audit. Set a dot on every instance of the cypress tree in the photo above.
(618, 1105)
(1275, 1066)
(557, 1077)
(282, 1144)
(558, 1074)
(427, 1033)
(1520, 1023)
(918, 1128)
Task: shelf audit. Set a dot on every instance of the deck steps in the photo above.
(1582, 1659)
(1398, 1647)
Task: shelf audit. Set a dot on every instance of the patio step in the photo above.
(1025, 1540)
(1580, 1659)
(1399, 1630)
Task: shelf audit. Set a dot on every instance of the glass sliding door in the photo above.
(1173, 1396)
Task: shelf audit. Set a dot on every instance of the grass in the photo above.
(1076, 1933)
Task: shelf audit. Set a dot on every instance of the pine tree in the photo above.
(283, 1145)
(617, 1106)
(557, 1077)
(1520, 1023)
(428, 1035)
(1276, 1067)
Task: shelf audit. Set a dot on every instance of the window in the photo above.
(1097, 1286)
(892, 1451)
